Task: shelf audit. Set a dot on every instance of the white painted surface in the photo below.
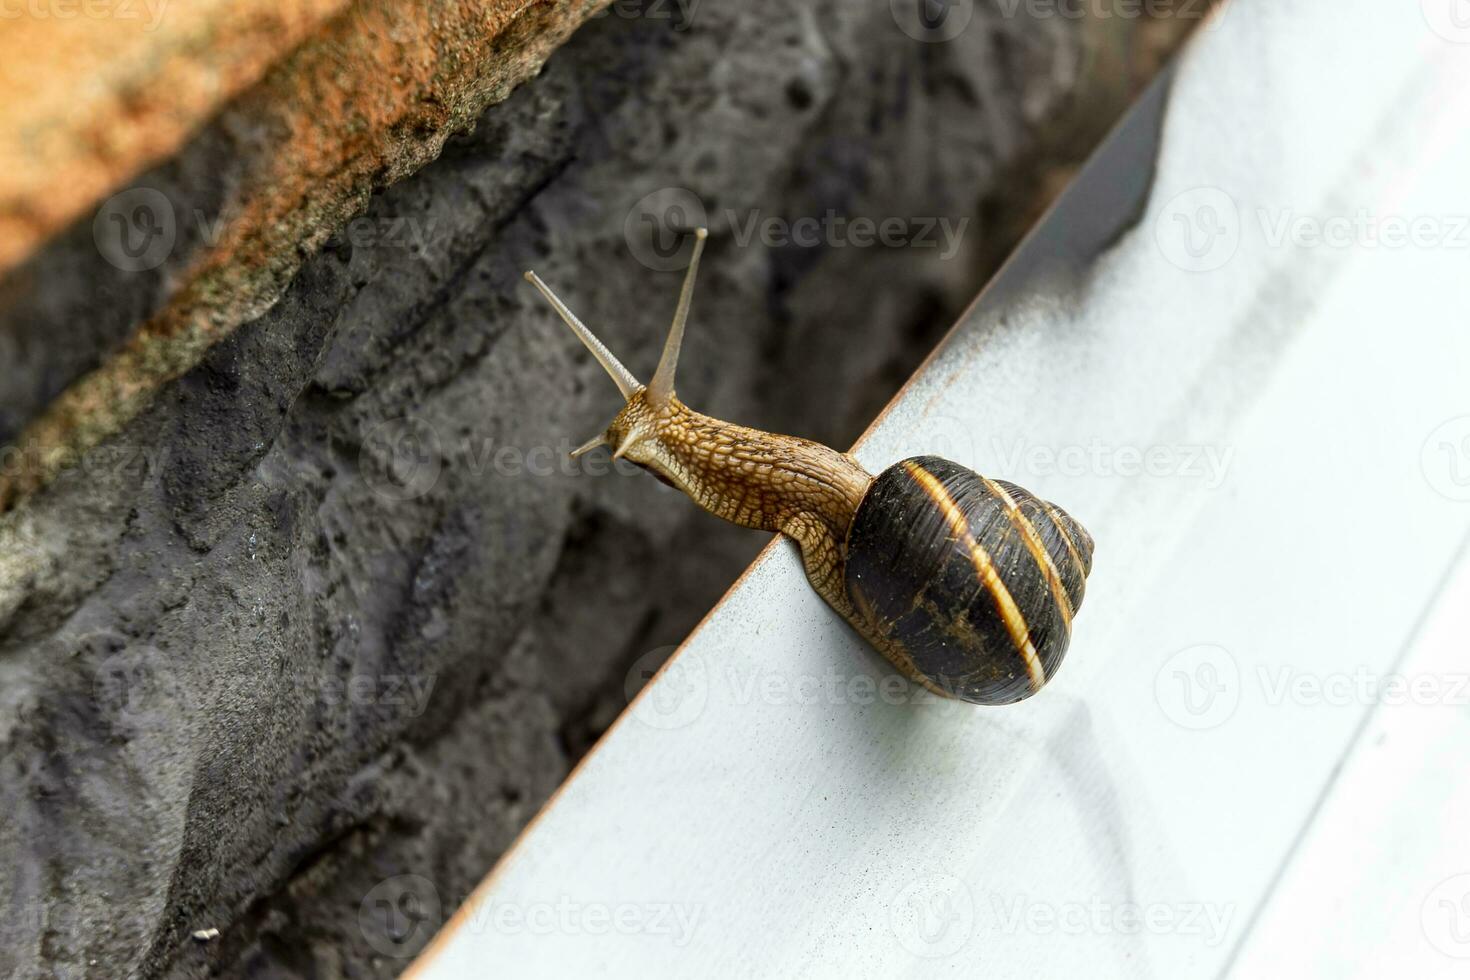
(761, 812)
(1380, 885)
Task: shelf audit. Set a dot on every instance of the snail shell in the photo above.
(976, 581)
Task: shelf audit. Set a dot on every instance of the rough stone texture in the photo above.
(295, 653)
(363, 103)
(96, 91)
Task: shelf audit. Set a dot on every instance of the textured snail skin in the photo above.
(967, 585)
(752, 478)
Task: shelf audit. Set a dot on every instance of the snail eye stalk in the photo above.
(622, 377)
(661, 388)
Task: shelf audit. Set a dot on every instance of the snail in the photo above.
(967, 585)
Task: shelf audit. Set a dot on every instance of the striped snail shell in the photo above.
(967, 585)
(976, 581)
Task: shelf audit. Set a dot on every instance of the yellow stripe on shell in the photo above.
(1056, 518)
(1037, 547)
(1010, 613)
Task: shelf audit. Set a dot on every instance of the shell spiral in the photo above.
(969, 583)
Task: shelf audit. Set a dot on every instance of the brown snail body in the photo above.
(967, 585)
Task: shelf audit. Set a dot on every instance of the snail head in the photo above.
(634, 432)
